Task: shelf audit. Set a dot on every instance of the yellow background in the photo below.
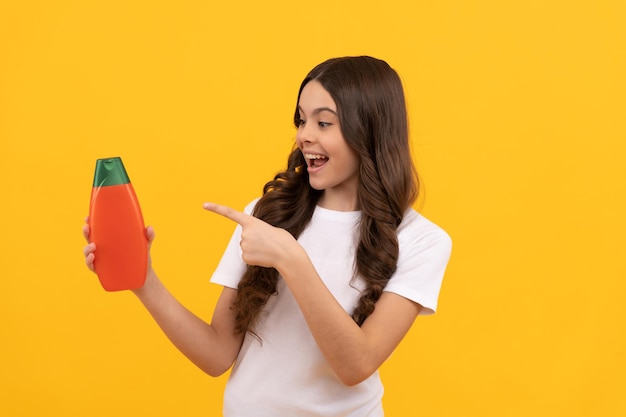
(517, 119)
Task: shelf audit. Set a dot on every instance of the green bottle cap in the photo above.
(110, 171)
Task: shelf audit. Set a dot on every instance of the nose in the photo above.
(304, 135)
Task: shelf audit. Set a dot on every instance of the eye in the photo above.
(323, 124)
(300, 122)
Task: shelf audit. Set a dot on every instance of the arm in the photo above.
(212, 347)
(353, 352)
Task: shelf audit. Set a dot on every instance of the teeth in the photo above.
(314, 156)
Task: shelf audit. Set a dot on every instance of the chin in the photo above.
(317, 187)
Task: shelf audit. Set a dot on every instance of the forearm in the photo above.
(197, 340)
(343, 343)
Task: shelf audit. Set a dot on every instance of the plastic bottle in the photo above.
(117, 227)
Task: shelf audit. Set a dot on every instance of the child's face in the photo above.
(332, 164)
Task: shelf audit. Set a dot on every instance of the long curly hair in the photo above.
(372, 115)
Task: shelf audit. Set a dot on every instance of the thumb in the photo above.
(150, 234)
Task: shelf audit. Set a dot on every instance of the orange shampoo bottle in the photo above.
(116, 226)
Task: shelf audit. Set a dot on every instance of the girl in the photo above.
(326, 272)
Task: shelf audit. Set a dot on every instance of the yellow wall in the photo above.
(517, 117)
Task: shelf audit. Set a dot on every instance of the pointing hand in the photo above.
(261, 244)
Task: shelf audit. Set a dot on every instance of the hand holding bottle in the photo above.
(90, 249)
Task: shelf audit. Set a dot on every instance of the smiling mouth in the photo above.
(315, 160)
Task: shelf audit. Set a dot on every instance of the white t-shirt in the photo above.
(285, 374)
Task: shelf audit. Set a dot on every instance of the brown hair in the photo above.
(373, 120)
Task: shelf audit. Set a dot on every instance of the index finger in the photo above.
(229, 213)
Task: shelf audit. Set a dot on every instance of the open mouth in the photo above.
(315, 160)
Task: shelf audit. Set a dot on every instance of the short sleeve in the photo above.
(231, 267)
(425, 250)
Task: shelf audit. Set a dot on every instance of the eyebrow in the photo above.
(319, 110)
